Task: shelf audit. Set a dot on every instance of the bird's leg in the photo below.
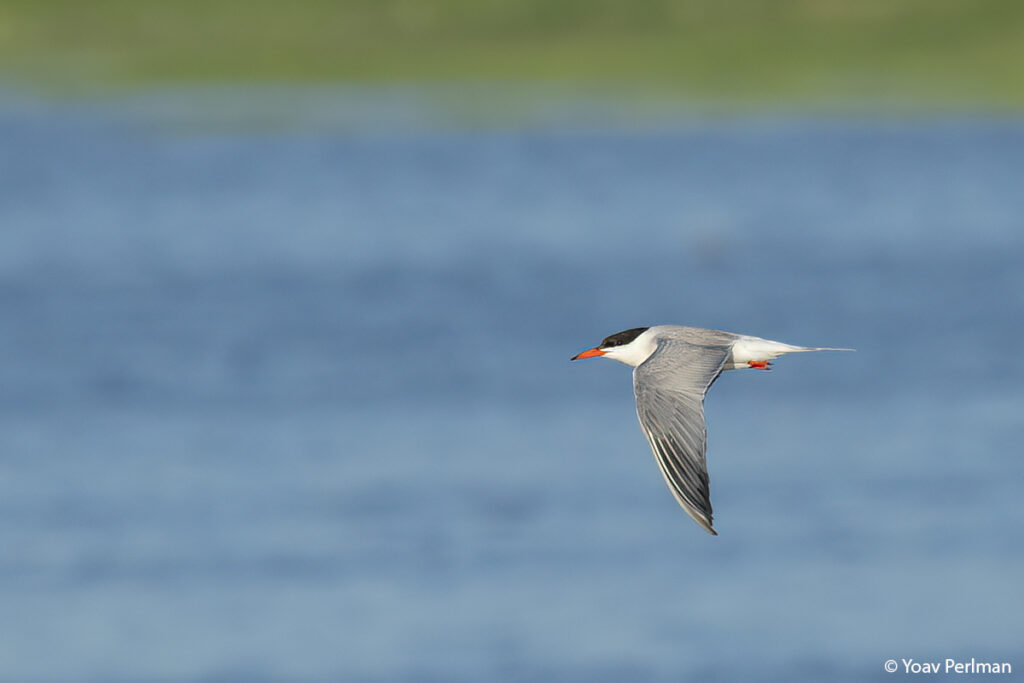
(760, 364)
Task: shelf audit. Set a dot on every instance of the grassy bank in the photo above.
(955, 51)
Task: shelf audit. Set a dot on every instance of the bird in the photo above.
(673, 368)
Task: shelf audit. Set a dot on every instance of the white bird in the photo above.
(674, 367)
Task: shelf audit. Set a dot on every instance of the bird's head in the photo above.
(631, 347)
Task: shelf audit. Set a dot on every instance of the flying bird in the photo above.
(673, 368)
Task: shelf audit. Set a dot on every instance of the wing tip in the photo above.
(704, 520)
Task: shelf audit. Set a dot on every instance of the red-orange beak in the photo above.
(590, 353)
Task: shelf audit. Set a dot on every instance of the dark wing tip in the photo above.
(706, 524)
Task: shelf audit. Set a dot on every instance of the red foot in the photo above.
(759, 364)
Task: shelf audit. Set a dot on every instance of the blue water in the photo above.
(288, 397)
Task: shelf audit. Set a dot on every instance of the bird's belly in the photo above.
(754, 349)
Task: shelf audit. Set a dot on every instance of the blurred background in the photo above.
(289, 290)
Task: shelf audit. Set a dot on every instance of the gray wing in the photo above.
(670, 388)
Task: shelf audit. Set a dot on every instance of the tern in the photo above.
(673, 368)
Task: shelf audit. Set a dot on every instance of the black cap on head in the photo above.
(622, 338)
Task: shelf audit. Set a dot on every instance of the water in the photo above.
(288, 398)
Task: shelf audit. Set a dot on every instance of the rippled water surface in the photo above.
(293, 401)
